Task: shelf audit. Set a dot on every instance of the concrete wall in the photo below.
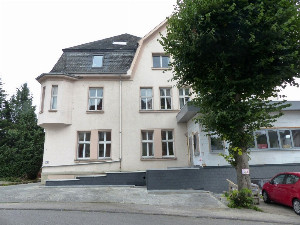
(210, 178)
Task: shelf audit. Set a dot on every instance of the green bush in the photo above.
(241, 199)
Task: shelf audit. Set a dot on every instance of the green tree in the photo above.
(21, 155)
(236, 54)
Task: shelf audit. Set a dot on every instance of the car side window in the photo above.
(279, 179)
(291, 179)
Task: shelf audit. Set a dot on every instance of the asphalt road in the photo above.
(49, 217)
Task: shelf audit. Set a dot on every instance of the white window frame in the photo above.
(167, 141)
(85, 143)
(185, 96)
(146, 97)
(95, 61)
(278, 138)
(160, 60)
(105, 143)
(164, 98)
(54, 97)
(95, 99)
(148, 141)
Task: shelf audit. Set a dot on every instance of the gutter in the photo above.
(120, 125)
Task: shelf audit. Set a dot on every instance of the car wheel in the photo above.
(266, 197)
(296, 206)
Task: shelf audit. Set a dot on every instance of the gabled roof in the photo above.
(107, 44)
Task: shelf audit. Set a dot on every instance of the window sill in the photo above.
(52, 110)
(94, 111)
(274, 149)
(160, 68)
(159, 111)
(217, 151)
(92, 160)
(164, 158)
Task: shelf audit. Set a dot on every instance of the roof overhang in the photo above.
(189, 111)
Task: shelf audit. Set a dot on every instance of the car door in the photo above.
(275, 187)
(288, 189)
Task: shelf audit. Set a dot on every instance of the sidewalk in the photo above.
(200, 204)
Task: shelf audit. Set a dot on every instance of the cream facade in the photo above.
(72, 144)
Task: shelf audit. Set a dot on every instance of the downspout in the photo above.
(120, 125)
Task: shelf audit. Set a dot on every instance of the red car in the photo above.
(284, 188)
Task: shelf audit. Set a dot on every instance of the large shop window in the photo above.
(277, 138)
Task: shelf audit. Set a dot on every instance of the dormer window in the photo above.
(160, 61)
(97, 61)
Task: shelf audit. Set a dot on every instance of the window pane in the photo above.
(150, 146)
(87, 136)
(101, 136)
(181, 100)
(162, 103)
(170, 148)
(143, 92)
(162, 92)
(101, 150)
(164, 148)
(285, 138)
(108, 136)
(99, 104)
(107, 154)
(165, 61)
(99, 92)
(97, 61)
(216, 143)
(273, 139)
(54, 102)
(144, 153)
(144, 135)
(261, 138)
(149, 92)
(279, 179)
(168, 92)
(54, 90)
(81, 136)
(87, 150)
(168, 103)
(150, 135)
(170, 135)
(143, 103)
(156, 61)
(291, 179)
(91, 104)
(149, 103)
(92, 92)
(163, 135)
(80, 150)
(296, 138)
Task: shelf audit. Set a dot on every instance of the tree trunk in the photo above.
(243, 180)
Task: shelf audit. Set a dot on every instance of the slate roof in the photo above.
(117, 58)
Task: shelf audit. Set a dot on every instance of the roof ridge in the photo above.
(90, 45)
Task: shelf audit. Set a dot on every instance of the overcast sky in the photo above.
(34, 32)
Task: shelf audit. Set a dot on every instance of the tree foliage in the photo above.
(21, 148)
(236, 55)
